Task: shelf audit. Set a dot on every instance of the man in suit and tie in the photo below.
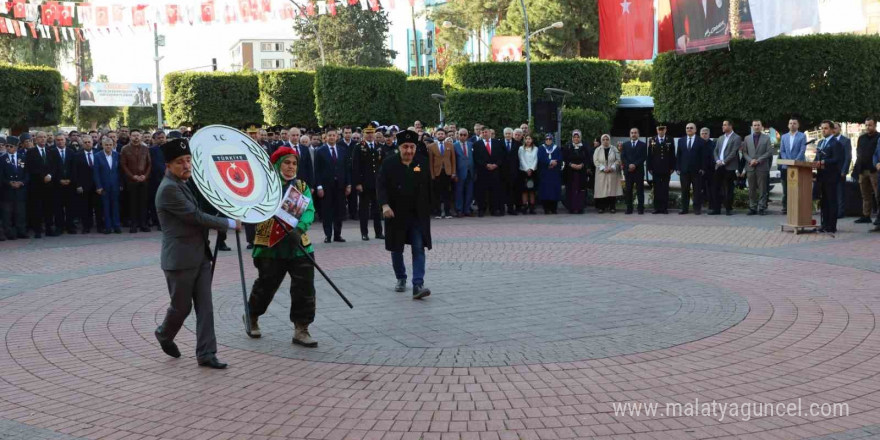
(844, 170)
(488, 160)
(333, 179)
(13, 194)
(88, 201)
(86, 94)
(690, 166)
(758, 154)
(464, 172)
(348, 145)
(633, 156)
(186, 258)
(40, 164)
(108, 184)
(366, 160)
(661, 164)
(829, 160)
(305, 171)
(792, 146)
(726, 157)
(512, 190)
(65, 192)
(157, 172)
(441, 160)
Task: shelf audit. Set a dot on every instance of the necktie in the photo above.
(42, 154)
(441, 149)
(690, 142)
(89, 157)
(508, 146)
(464, 149)
(488, 146)
(333, 150)
(62, 155)
(633, 144)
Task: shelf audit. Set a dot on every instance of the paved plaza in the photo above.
(538, 327)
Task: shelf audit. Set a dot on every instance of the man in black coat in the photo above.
(489, 160)
(41, 166)
(64, 189)
(512, 190)
(691, 164)
(404, 189)
(88, 201)
(333, 179)
(633, 156)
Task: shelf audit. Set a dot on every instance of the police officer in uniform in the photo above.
(366, 160)
(661, 165)
(13, 193)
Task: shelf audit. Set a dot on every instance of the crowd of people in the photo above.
(107, 180)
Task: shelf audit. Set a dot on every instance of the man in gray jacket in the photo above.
(186, 258)
(758, 155)
(726, 157)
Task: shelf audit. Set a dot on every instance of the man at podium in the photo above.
(829, 161)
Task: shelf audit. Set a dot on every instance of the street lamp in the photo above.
(556, 25)
(560, 95)
(440, 100)
(450, 25)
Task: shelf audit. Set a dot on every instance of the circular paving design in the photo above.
(491, 314)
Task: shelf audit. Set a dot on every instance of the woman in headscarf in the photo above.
(277, 254)
(550, 175)
(607, 160)
(528, 173)
(577, 161)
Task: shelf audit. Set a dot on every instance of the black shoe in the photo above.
(601, 211)
(420, 292)
(38, 235)
(729, 212)
(400, 286)
(715, 212)
(132, 230)
(784, 212)
(23, 236)
(698, 212)
(158, 228)
(169, 347)
(223, 247)
(212, 363)
(87, 231)
(117, 230)
(380, 236)
(821, 230)
(71, 231)
(641, 212)
(53, 234)
(683, 212)
(628, 211)
(762, 212)
(249, 246)
(145, 229)
(365, 238)
(752, 212)
(613, 211)
(339, 239)
(863, 220)
(480, 214)
(511, 211)
(106, 232)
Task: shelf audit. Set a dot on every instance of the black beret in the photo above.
(25, 137)
(174, 134)
(407, 136)
(2, 140)
(175, 148)
(12, 140)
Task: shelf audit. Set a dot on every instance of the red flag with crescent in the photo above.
(236, 173)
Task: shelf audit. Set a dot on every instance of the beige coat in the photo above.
(607, 184)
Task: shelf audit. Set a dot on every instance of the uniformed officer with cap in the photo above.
(185, 257)
(366, 160)
(661, 165)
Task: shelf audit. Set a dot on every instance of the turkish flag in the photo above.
(353, 2)
(19, 10)
(50, 13)
(138, 15)
(3, 28)
(331, 6)
(208, 11)
(626, 29)
(101, 17)
(66, 18)
(310, 8)
(171, 14)
(118, 11)
(374, 5)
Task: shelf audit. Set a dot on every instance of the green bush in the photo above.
(496, 108)
(813, 77)
(741, 198)
(417, 103)
(288, 97)
(356, 95)
(637, 71)
(29, 96)
(591, 123)
(140, 117)
(595, 83)
(636, 88)
(195, 98)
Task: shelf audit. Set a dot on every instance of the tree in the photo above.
(37, 52)
(353, 37)
(470, 15)
(579, 37)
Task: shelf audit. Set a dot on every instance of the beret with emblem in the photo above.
(12, 140)
(369, 128)
(175, 148)
(407, 136)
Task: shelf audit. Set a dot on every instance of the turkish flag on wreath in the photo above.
(626, 29)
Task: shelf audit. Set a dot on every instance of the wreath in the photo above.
(267, 205)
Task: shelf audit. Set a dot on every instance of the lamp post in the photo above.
(561, 95)
(556, 25)
(440, 99)
(450, 25)
(158, 40)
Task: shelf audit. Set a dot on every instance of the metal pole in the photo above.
(415, 38)
(528, 60)
(559, 121)
(77, 55)
(159, 121)
(247, 312)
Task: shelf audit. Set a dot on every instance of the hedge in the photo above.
(636, 88)
(30, 97)
(140, 117)
(417, 103)
(813, 77)
(356, 95)
(496, 108)
(196, 98)
(595, 83)
(591, 123)
(288, 97)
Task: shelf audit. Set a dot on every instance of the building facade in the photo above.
(421, 50)
(262, 55)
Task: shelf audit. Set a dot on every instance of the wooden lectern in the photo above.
(800, 195)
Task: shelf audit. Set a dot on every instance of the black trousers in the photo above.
(368, 207)
(334, 209)
(353, 205)
(65, 207)
(270, 274)
(90, 213)
(661, 192)
(152, 214)
(489, 190)
(707, 195)
(691, 180)
(137, 203)
(40, 202)
(722, 189)
(442, 194)
(634, 179)
(512, 190)
(15, 212)
(828, 192)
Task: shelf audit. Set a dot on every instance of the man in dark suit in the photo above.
(333, 180)
(633, 156)
(40, 165)
(13, 190)
(404, 191)
(108, 184)
(661, 165)
(64, 189)
(305, 171)
(512, 191)
(707, 195)
(186, 258)
(690, 163)
(157, 172)
(366, 160)
(489, 159)
(348, 145)
(846, 143)
(830, 156)
(88, 201)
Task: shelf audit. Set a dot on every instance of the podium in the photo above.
(800, 196)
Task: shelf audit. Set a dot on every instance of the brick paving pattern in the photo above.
(537, 325)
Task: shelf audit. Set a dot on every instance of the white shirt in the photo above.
(109, 158)
(724, 146)
(528, 158)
